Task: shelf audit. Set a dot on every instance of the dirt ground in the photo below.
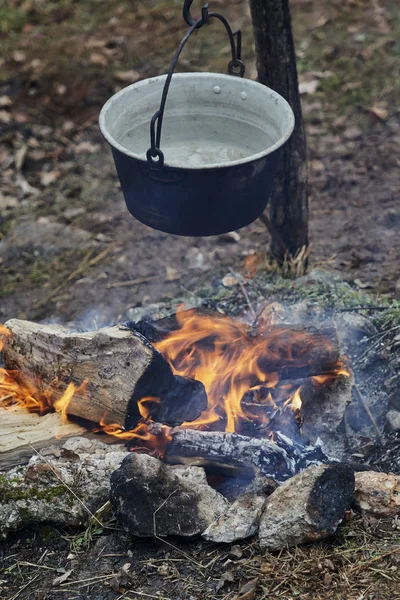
(68, 245)
(70, 251)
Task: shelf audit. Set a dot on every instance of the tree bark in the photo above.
(276, 65)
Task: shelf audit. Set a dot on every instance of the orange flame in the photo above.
(232, 360)
(248, 376)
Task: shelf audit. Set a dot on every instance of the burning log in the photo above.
(120, 367)
(308, 507)
(291, 351)
(230, 454)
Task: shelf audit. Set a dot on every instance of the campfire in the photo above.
(214, 417)
(227, 376)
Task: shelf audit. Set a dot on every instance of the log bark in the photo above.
(308, 507)
(120, 366)
(298, 351)
(230, 454)
(276, 65)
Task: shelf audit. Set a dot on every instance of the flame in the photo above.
(241, 369)
(251, 377)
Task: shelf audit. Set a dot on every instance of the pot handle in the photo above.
(155, 156)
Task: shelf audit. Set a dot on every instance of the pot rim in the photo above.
(223, 165)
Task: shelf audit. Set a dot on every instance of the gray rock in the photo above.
(239, 521)
(307, 507)
(352, 328)
(393, 420)
(41, 490)
(377, 494)
(151, 498)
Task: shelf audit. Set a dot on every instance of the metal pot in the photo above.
(213, 169)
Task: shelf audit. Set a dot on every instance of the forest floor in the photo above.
(68, 245)
(70, 251)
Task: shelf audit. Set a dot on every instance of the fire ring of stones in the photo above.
(232, 430)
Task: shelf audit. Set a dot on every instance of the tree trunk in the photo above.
(276, 65)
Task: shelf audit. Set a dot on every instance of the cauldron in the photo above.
(212, 169)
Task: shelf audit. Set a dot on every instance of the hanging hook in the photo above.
(191, 20)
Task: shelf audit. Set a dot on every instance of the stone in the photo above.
(393, 420)
(45, 489)
(308, 507)
(239, 521)
(152, 499)
(377, 494)
(352, 328)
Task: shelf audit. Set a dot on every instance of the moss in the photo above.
(8, 491)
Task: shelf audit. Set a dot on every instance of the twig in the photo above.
(24, 587)
(365, 308)
(82, 267)
(245, 294)
(369, 413)
(375, 559)
(98, 578)
(117, 284)
(144, 595)
(66, 485)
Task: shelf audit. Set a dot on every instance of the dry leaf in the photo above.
(87, 147)
(48, 177)
(230, 237)
(19, 56)
(379, 112)
(98, 59)
(61, 578)
(247, 591)
(127, 76)
(171, 274)
(5, 116)
(352, 133)
(60, 89)
(93, 43)
(308, 87)
(19, 157)
(227, 576)
(273, 314)
(252, 262)
(317, 166)
(7, 202)
(362, 285)
(5, 101)
(229, 281)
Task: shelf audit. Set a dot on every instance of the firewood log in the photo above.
(120, 366)
(230, 454)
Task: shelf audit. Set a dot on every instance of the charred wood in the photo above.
(230, 454)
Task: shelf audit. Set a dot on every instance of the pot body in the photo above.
(196, 203)
(221, 141)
